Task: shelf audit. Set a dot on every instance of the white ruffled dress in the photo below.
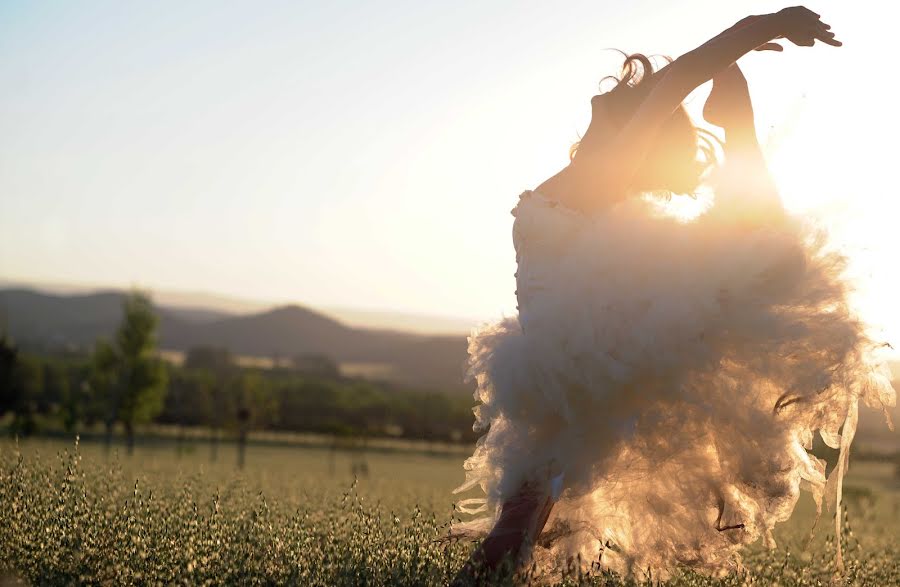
(668, 378)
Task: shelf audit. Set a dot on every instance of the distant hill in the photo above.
(198, 305)
(41, 320)
(36, 319)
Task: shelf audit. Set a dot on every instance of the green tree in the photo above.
(28, 383)
(219, 366)
(252, 405)
(316, 365)
(9, 358)
(56, 390)
(103, 387)
(21, 387)
(75, 399)
(128, 378)
(187, 402)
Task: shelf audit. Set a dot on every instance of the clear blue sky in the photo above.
(367, 154)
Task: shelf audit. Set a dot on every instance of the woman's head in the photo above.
(681, 153)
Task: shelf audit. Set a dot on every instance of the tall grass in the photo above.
(70, 519)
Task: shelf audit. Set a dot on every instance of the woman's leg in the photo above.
(522, 519)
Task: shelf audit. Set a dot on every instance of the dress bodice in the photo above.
(542, 231)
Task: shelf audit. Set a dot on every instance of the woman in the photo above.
(654, 401)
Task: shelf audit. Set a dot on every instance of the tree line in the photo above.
(124, 382)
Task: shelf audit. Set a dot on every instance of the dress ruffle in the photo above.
(674, 374)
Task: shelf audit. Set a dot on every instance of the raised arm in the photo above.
(730, 107)
(603, 173)
(743, 182)
(798, 25)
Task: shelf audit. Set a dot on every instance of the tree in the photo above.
(129, 379)
(252, 405)
(9, 358)
(74, 398)
(21, 386)
(219, 366)
(209, 358)
(104, 388)
(188, 401)
(54, 386)
(316, 365)
(28, 383)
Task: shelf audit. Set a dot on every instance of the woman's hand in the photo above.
(799, 25)
(803, 27)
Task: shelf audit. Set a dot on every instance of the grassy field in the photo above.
(296, 516)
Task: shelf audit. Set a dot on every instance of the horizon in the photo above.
(247, 153)
(355, 317)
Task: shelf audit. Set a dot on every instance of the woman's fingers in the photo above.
(827, 37)
(809, 37)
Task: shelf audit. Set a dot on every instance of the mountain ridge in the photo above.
(52, 321)
(199, 304)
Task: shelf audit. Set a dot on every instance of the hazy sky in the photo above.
(367, 154)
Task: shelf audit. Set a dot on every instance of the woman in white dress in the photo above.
(654, 402)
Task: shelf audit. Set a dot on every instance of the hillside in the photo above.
(46, 321)
(199, 305)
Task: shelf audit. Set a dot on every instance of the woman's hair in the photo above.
(681, 155)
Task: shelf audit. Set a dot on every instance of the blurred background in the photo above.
(277, 222)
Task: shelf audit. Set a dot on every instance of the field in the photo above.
(296, 516)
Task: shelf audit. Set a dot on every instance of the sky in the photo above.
(367, 154)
